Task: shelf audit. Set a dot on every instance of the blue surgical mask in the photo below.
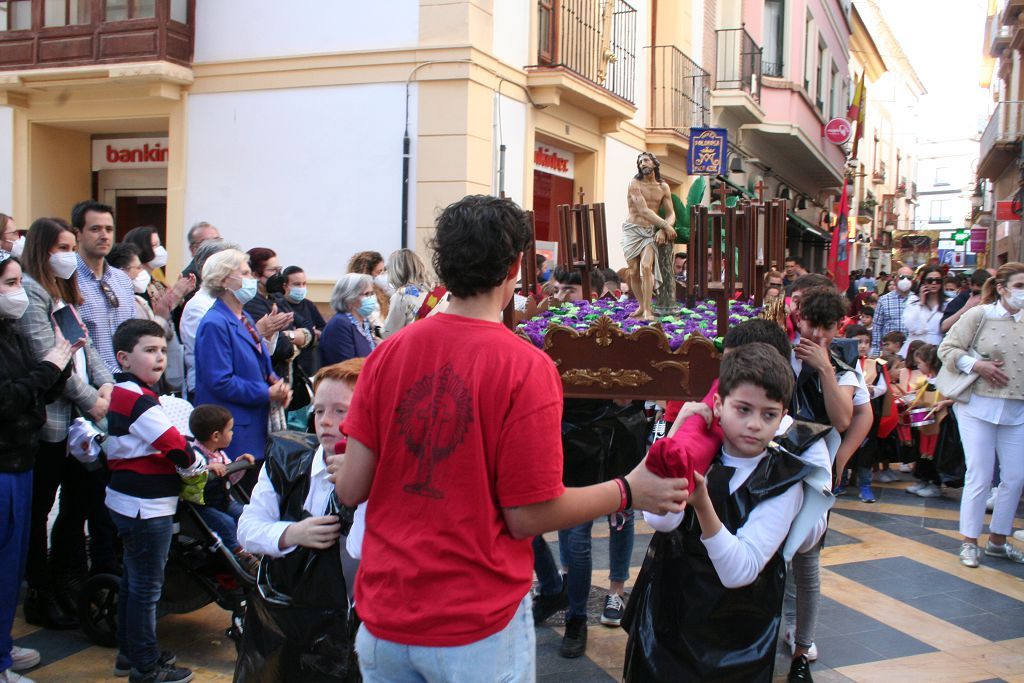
(369, 306)
(950, 294)
(296, 294)
(247, 292)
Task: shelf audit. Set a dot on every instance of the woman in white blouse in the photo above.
(923, 313)
(992, 419)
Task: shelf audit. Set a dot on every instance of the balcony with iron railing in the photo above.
(738, 71)
(47, 34)
(1001, 141)
(680, 99)
(586, 53)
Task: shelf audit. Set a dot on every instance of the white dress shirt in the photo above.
(739, 558)
(921, 323)
(999, 411)
(853, 379)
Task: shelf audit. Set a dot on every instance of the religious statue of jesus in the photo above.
(644, 231)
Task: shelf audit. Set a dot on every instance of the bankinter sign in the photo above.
(129, 153)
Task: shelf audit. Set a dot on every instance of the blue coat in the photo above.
(340, 341)
(232, 371)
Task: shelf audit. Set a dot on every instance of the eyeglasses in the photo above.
(933, 280)
(774, 284)
(109, 293)
(906, 277)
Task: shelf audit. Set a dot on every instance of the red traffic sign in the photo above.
(838, 131)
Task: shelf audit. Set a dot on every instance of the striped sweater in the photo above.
(145, 452)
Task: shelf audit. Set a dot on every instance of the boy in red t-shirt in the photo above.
(455, 441)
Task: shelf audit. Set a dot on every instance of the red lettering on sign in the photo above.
(138, 155)
(547, 159)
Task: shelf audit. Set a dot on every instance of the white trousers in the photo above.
(984, 442)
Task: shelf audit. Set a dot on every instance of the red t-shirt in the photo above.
(465, 419)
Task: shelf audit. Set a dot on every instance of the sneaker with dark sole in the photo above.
(123, 668)
(161, 674)
(800, 671)
(574, 642)
(544, 606)
(614, 606)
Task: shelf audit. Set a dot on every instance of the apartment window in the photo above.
(179, 11)
(809, 52)
(65, 12)
(938, 212)
(15, 15)
(774, 23)
(942, 175)
(819, 76)
(834, 85)
(122, 10)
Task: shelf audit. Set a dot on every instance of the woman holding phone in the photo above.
(26, 386)
(50, 261)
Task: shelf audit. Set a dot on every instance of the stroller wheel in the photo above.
(97, 609)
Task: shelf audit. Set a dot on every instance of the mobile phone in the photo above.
(71, 326)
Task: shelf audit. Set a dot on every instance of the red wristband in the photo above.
(623, 496)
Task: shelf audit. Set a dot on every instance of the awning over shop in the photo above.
(809, 229)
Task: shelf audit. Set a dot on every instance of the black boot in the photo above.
(41, 609)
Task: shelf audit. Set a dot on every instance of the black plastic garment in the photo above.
(808, 402)
(949, 453)
(601, 440)
(683, 624)
(298, 626)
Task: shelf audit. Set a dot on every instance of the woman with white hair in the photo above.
(413, 299)
(232, 363)
(348, 334)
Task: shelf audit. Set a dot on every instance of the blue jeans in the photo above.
(508, 655)
(15, 521)
(146, 543)
(224, 523)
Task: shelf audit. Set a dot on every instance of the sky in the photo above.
(943, 40)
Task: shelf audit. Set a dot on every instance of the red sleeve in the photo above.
(690, 450)
(529, 457)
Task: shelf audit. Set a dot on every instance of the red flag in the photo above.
(838, 253)
(855, 115)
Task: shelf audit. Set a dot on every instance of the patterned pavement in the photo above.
(897, 606)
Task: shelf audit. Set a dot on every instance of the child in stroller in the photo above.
(200, 569)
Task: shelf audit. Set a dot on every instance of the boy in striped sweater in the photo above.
(147, 457)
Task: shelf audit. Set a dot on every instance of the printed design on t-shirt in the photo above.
(433, 418)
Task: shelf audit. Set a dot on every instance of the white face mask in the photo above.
(1016, 298)
(18, 247)
(141, 282)
(904, 285)
(13, 304)
(159, 258)
(63, 264)
(382, 282)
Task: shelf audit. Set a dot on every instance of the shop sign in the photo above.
(709, 148)
(548, 159)
(129, 153)
(979, 240)
(838, 131)
(1005, 212)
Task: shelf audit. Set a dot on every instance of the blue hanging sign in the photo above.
(709, 149)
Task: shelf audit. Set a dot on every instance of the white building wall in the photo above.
(258, 29)
(512, 33)
(510, 129)
(7, 166)
(313, 172)
(620, 167)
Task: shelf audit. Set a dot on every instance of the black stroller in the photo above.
(200, 570)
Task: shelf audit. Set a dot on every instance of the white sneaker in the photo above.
(1006, 551)
(969, 554)
(23, 658)
(11, 677)
(915, 487)
(930, 491)
(1018, 535)
(904, 467)
(789, 638)
(885, 476)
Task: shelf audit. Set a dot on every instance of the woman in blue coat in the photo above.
(233, 366)
(348, 333)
